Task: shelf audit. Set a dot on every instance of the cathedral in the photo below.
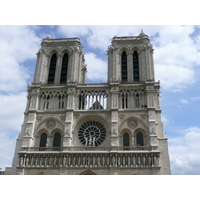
(72, 127)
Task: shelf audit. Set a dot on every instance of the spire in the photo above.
(142, 34)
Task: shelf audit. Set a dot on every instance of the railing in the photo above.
(71, 149)
(92, 99)
(82, 160)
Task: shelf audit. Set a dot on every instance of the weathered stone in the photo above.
(72, 127)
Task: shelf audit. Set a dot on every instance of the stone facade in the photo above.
(72, 127)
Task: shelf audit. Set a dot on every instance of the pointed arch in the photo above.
(88, 172)
(41, 127)
(124, 73)
(63, 75)
(52, 69)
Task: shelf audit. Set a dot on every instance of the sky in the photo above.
(177, 67)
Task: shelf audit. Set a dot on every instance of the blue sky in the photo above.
(177, 66)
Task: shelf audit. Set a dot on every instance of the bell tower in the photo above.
(130, 59)
(73, 127)
(60, 61)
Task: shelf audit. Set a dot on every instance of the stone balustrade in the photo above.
(86, 148)
(82, 160)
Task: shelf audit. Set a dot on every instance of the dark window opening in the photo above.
(137, 101)
(47, 105)
(126, 142)
(43, 141)
(136, 67)
(52, 69)
(63, 76)
(61, 102)
(81, 102)
(140, 140)
(124, 67)
(57, 141)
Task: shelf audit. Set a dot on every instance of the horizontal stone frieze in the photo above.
(89, 160)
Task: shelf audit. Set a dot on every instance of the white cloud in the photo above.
(184, 101)
(12, 107)
(18, 44)
(176, 56)
(11, 117)
(174, 77)
(176, 53)
(97, 68)
(165, 120)
(100, 36)
(195, 99)
(6, 150)
(185, 151)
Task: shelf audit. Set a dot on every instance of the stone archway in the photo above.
(88, 172)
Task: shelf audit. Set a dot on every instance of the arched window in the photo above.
(124, 67)
(140, 139)
(57, 140)
(63, 76)
(136, 77)
(126, 141)
(43, 141)
(52, 69)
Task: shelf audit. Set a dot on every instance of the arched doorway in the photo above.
(88, 172)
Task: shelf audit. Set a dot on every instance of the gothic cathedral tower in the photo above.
(73, 127)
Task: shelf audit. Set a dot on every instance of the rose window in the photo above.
(92, 133)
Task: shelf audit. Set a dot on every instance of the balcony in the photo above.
(89, 160)
(87, 149)
(81, 157)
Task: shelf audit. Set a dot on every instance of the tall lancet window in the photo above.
(63, 76)
(57, 140)
(52, 69)
(126, 141)
(43, 141)
(136, 76)
(124, 67)
(140, 139)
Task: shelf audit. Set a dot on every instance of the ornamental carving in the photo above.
(76, 116)
(55, 44)
(121, 117)
(62, 118)
(132, 123)
(39, 118)
(50, 124)
(107, 115)
(92, 133)
(143, 116)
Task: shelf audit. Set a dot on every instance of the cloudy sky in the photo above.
(177, 66)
